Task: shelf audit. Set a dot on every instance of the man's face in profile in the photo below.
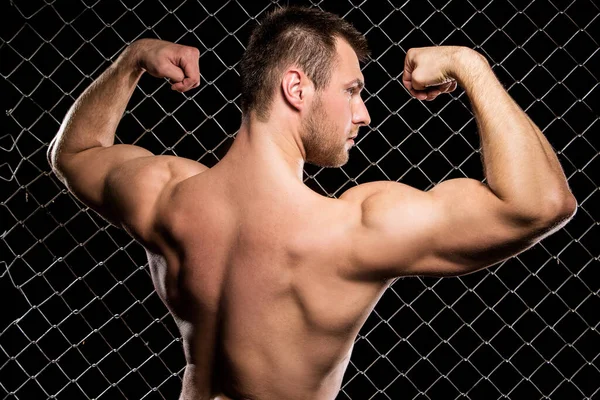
(336, 112)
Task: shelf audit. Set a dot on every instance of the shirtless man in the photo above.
(268, 281)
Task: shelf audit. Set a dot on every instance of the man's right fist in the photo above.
(164, 59)
(430, 71)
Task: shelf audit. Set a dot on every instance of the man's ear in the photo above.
(295, 86)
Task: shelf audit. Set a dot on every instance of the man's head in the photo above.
(307, 61)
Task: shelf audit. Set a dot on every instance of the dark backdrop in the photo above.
(80, 316)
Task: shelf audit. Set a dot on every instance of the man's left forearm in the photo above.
(92, 120)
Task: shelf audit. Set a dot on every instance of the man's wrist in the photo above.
(468, 66)
(129, 60)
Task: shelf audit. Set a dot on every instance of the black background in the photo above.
(80, 316)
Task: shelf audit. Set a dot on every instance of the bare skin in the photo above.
(268, 281)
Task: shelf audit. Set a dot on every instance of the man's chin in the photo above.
(330, 163)
(341, 161)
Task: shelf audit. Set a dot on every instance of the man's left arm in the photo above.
(123, 183)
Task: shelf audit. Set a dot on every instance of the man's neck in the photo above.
(270, 145)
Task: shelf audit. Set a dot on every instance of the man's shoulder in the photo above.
(180, 195)
(183, 168)
(358, 194)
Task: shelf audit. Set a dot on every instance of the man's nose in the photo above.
(361, 114)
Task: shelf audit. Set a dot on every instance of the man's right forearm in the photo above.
(520, 165)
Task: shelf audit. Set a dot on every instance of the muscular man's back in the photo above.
(268, 281)
(258, 289)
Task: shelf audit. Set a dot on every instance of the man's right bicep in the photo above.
(458, 227)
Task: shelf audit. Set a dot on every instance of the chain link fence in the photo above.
(80, 316)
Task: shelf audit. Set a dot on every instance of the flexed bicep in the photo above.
(99, 176)
(456, 228)
(123, 183)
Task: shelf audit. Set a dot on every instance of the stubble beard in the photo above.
(323, 147)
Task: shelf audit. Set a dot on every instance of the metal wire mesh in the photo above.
(81, 318)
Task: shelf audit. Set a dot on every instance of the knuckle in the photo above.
(192, 51)
(418, 76)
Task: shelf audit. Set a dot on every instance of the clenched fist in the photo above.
(430, 71)
(163, 59)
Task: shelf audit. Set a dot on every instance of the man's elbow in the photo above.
(53, 162)
(51, 157)
(56, 163)
(562, 209)
(569, 207)
(52, 154)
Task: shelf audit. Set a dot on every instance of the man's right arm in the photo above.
(463, 225)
